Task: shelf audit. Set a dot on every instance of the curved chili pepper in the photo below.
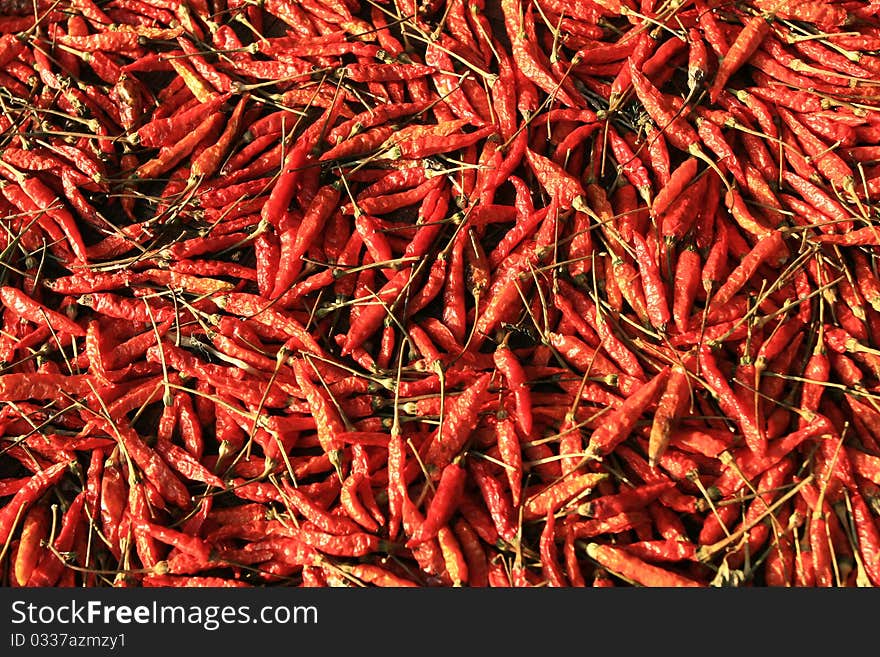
(50, 567)
(25, 307)
(731, 404)
(34, 529)
(770, 246)
(631, 165)
(169, 156)
(868, 536)
(652, 284)
(443, 504)
(670, 408)
(746, 43)
(26, 496)
(510, 367)
(632, 568)
(459, 422)
(616, 427)
(678, 132)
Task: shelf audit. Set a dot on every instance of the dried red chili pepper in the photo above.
(619, 423)
(38, 484)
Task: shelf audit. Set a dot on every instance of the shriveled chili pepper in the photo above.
(34, 529)
(634, 569)
(443, 503)
(631, 165)
(831, 165)
(50, 566)
(670, 407)
(169, 156)
(328, 422)
(652, 284)
(515, 376)
(25, 307)
(769, 246)
(619, 423)
(496, 499)
(38, 484)
(329, 523)
(868, 536)
(459, 421)
(745, 44)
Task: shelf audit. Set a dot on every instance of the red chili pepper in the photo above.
(714, 139)
(730, 403)
(679, 179)
(26, 308)
(332, 524)
(652, 284)
(34, 529)
(458, 423)
(187, 465)
(506, 362)
(549, 564)
(553, 497)
(371, 316)
(352, 504)
(453, 557)
(769, 246)
(50, 567)
(590, 358)
(167, 130)
(628, 500)
(328, 421)
(630, 165)
(443, 504)
(746, 43)
(528, 58)
(868, 537)
(496, 499)
(670, 408)
(679, 133)
(617, 426)
(831, 165)
(209, 161)
(38, 484)
(687, 283)
(47, 203)
(433, 140)
(634, 569)
(743, 216)
(171, 155)
(359, 144)
(821, 201)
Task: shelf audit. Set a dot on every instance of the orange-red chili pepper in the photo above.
(618, 424)
(25, 307)
(746, 43)
(459, 422)
(670, 408)
(632, 568)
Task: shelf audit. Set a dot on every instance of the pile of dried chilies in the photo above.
(447, 293)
